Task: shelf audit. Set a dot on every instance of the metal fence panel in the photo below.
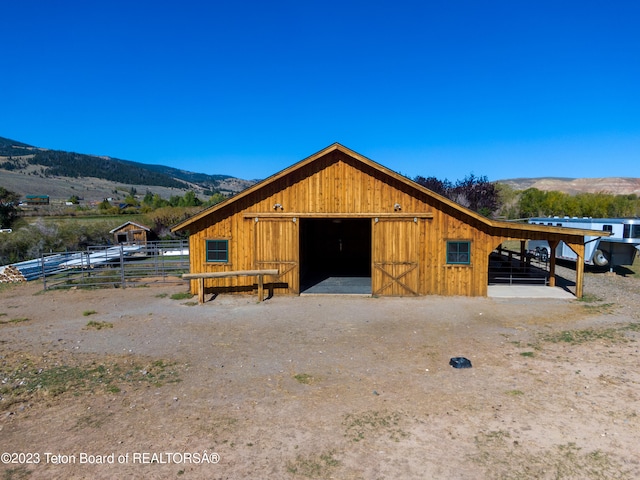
(116, 266)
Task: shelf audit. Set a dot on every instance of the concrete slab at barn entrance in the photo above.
(362, 286)
(340, 286)
(528, 291)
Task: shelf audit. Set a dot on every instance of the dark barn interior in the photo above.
(334, 247)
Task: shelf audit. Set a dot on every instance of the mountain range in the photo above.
(30, 170)
(572, 186)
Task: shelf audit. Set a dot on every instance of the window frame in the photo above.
(449, 252)
(631, 230)
(207, 250)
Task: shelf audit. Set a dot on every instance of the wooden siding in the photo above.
(409, 231)
(276, 247)
(408, 255)
(396, 257)
(134, 234)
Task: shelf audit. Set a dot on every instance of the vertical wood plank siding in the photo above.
(134, 234)
(414, 253)
(396, 257)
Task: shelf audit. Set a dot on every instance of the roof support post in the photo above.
(578, 248)
(579, 276)
(552, 262)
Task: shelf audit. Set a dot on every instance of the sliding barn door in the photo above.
(276, 246)
(395, 246)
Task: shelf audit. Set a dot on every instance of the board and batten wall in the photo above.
(134, 234)
(410, 230)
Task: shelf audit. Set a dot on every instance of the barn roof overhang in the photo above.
(526, 231)
(494, 227)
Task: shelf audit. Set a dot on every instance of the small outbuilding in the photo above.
(340, 214)
(37, 200)
(131, 233)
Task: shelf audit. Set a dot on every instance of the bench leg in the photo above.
(260, 288)
(201, 290)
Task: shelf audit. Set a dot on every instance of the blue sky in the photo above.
(504, 89)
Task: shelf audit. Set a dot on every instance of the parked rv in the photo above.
(618, 248)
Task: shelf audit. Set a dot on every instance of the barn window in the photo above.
(217, 250)
(459, 253)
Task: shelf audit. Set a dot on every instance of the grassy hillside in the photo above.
(19, 156)
(26, 169)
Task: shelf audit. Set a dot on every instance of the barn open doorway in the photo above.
(335, 255)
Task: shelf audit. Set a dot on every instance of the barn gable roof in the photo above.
(129, 223)
(518, 229)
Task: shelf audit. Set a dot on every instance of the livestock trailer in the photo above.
(616, 248)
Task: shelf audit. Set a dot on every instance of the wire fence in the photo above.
(114, 266)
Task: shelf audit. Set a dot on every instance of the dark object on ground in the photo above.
(460, 362)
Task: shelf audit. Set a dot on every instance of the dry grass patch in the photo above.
(304, 378)
(99, 325)
(316, 466)
(14, 320)
(29, 378)
(503, 458)
(374, 424)
(181, 296)
(611, 335)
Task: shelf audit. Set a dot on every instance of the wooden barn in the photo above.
(340, 214)
(130, 233)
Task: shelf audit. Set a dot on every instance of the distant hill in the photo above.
(30, 170)
(572, 186)
(26, 169)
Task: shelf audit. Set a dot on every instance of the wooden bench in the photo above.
(238, 273)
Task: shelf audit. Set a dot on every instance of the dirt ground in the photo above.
(131, 383)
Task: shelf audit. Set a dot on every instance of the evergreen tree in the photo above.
(8, 207)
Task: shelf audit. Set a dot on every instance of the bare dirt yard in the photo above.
(132, 383)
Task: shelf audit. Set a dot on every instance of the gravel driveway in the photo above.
(134, 384)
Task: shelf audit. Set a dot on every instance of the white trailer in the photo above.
(619, 248)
